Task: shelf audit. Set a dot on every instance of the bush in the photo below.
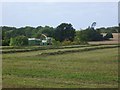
(108, 36)
(55, 43)
(66, 42)
(90, 35)
(19, 41)
(5, 42)
(75, 43)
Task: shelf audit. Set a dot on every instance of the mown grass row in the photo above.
(37, 48)
(78, 50)
(47, 47)
(10, 49)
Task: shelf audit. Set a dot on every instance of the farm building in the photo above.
(34, 41)
(46, 41)
(42, 41)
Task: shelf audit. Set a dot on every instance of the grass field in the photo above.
(88, 69)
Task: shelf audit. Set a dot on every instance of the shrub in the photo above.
(19, 41)
(108, 36)
(75, 43)
(90, 35)
(66, 42)
(5, 42)
(55, 43)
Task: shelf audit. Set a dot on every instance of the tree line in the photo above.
(63, 32)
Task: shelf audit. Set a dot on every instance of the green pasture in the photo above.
(88, 69)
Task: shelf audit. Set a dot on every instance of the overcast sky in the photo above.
(119, 12)
(80, 15)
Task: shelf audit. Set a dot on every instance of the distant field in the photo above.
(88, 69)
(113, 40)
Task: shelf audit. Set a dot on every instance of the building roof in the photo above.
(33, 39)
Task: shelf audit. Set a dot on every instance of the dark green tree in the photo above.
(49, 31)
(64, 31)
(108, 36)
(28, 31)
(108, 29)
(5, 42)
(90, 35)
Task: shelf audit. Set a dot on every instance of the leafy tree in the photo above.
(108, 29)
(39, 27)
(49, 31)
(37, 35)
(7, 32)
(64, 31)
(76, 38)
(90, 35)
(5, 42)
(6, 37)
(28, 31)
(19, 41)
